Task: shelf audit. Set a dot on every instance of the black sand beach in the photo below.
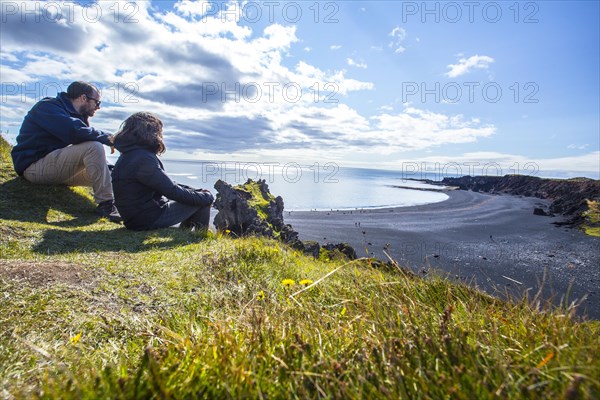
(493, 242)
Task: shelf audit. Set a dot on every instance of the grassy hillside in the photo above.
(91, 310)
(592, 218)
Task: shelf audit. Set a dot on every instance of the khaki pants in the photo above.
(82, 164)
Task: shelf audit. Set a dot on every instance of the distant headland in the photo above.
(572, 198)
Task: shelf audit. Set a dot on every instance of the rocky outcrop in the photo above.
(251, 209)
(540, 211)
(568, 196)
(342, 248)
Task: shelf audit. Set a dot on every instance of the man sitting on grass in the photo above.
(56, 145)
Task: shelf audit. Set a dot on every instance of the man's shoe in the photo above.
(108, 210)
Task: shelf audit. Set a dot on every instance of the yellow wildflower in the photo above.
(260, 295)
(75, 339)
(306, 282)
(288, 282)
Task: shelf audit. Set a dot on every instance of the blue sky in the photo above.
(509, 85)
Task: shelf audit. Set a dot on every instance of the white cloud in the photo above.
(500, 164)
(399, 34)
(416, 129)
(14, 107)
(11, 76)
(335, 47)
(356, 64)
(346, 85)
(578, 146)
(8, 57)
(45, 66)
(222, 88)
(465, 65)
(217, 85)
(589, 163)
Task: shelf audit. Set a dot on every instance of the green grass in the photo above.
(259, 201)
(592, 216)
(91, 310)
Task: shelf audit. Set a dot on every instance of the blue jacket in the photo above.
(51, 124)
(142, 188)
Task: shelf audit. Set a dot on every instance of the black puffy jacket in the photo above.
(142, 188)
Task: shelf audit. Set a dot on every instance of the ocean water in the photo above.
(312, 187)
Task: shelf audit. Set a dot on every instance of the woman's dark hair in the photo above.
(78, 88)
(144, 128)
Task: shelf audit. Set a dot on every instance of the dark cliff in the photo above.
(568, 197)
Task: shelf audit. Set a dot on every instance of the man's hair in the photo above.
(78, 88)
(145, 129)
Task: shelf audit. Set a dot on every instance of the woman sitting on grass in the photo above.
(144, 195)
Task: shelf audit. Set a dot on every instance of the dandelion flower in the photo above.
(75, 339)
(306, 282)
(288, 282)
(260, 295)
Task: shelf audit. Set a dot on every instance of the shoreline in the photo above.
(490, 241)
(444, 190)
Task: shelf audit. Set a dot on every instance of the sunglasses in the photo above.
(95, 100)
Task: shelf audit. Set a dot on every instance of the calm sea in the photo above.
(312, 187)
